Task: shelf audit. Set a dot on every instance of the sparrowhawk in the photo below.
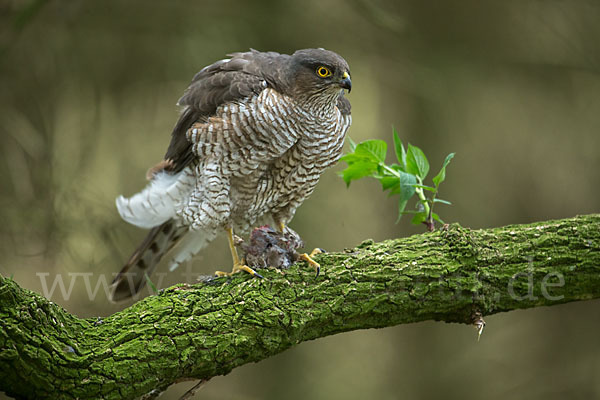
(256, 132)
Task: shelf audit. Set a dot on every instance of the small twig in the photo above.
(479, 323)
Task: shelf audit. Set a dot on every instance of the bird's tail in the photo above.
(132, 277)
(160, 240)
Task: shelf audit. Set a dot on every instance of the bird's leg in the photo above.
(238, 265)
(304, 256)
(281, 227)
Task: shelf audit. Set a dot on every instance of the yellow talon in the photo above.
(246, 268)
(304, 256)
(308, 259)
(238, 268)
(238, 265)
(315, 252)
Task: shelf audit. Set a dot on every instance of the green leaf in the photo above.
(406, 190)
(399, 148)
(401, 207)
(353, 157)
(388, 182)
(406, 184)
(419, 218)
(447, 160)
(436, 217)
(397, 167)
(364, 161)
(357, 170)
(441, 176)
(442, 201)
(372, 149)
(416, 162)
(149, 282)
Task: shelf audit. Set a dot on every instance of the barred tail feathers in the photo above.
(159, 241)
(132, 277)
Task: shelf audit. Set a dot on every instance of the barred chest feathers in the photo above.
(273, 151)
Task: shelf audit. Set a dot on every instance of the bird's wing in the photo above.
(343, 105)
(229, 80)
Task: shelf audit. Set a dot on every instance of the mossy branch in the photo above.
(208, 329)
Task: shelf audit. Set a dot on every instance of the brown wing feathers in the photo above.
(179, 152)
(225, 81)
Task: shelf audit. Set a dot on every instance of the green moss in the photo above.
(208, 329)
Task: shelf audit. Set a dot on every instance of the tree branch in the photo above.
(207, 329)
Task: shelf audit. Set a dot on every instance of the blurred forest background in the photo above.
(87, 100)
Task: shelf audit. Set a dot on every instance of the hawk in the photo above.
(255, 133)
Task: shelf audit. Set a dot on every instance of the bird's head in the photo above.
(319, 72)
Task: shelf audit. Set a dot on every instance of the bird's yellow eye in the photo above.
(323, 72)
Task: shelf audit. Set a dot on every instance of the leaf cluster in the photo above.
(405, 178)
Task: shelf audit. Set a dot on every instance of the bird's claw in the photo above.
(317, 250)
(237, 268)
(308, 258)
(248, 270)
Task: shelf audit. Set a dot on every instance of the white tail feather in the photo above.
(190, 245)
(159, 200)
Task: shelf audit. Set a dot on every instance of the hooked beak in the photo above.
(346, 83)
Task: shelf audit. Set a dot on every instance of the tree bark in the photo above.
(204, 330)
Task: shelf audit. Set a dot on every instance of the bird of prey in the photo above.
(255, 133)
